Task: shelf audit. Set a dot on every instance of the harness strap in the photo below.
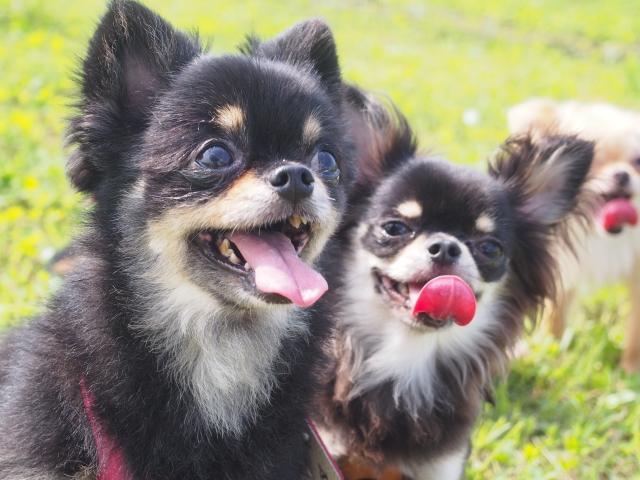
(111, 464)
(321, 464)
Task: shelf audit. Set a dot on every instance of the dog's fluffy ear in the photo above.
(132, 57)
(308, 45)
(381, 134)
(536, 114)
(543, 178)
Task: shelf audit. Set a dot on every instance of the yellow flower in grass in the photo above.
(530, 452)
(30, 183)
(23, 120)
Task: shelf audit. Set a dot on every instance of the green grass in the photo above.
(566, 410)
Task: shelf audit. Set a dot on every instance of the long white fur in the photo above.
(445, 467)
(24, 473)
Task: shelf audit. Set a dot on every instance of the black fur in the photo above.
(375, 426)
(148, 94)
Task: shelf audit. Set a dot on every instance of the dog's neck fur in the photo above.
(228, 361)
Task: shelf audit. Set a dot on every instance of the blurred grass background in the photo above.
(454, 67)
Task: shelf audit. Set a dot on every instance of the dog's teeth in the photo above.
(295, 221)
(234, 259)
(304, 220)
(403, 288)
(247, 266)
(225, 248)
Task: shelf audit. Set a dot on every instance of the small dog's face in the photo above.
(434, 218)
(616, 167)
(255, 157)
(226, 174)
(615, 172)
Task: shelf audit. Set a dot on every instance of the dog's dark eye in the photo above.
(395, 229)
(326, 165)
(215, 157)
(491, 250)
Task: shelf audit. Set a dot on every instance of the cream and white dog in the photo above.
(608, 250)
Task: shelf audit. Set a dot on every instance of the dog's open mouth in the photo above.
(216, 246)
(268, 256)
(403, 296)
(618, 212)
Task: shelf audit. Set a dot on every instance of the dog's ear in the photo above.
(543, 178)
(381, 134)
(308, 45)
(132, 57)
(537, 114)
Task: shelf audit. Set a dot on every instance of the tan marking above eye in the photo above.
(410, 209)
(230, 118)
(311, 130)
(485, 224)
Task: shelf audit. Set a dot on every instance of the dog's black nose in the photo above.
(622, 178)
(444, 252)
(293, 182)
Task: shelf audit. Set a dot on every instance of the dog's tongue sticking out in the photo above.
(616, 213)
(444, 297)
(278, 268)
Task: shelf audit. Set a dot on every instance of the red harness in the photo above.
(111, 464)
(110, 457)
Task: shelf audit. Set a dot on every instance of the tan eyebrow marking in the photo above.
(311, 130)
(230, 117)
(409, 209)
(485, 224)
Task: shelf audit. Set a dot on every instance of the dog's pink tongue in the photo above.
(444, 297)
(278, 268)
(616, 213)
